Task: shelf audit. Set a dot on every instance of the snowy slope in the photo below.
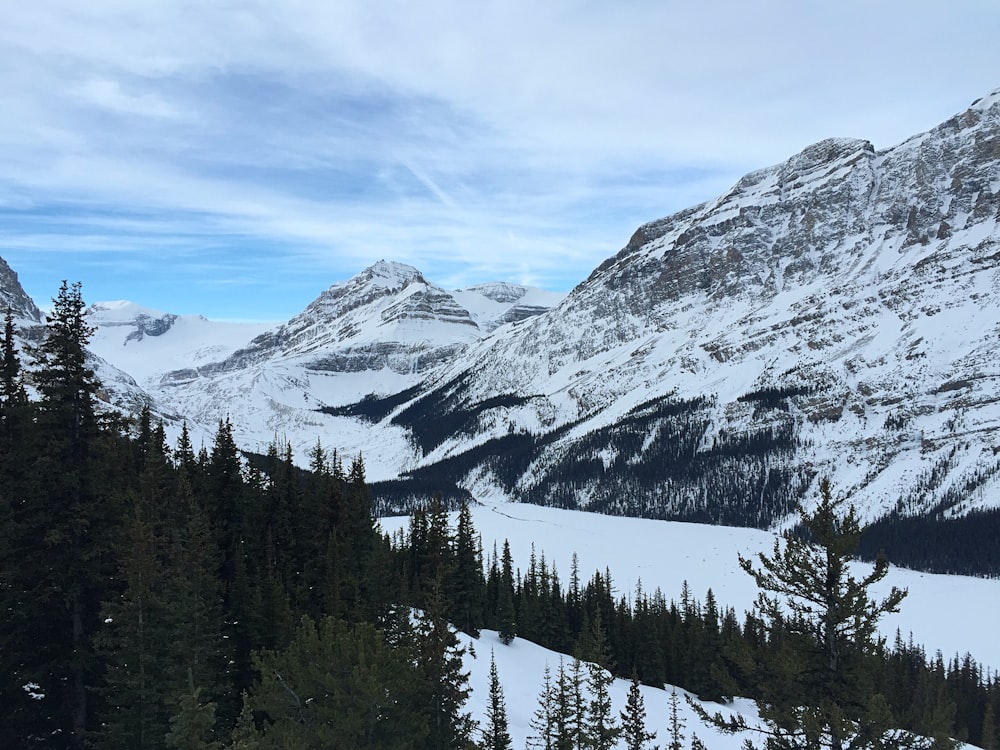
(148, 343)
(952, 614)
(520, 667)
(846, 298)
(379, 332)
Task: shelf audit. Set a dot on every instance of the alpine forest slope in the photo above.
(835, 314)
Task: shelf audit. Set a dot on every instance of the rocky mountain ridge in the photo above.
(14, 298)
(835, 314)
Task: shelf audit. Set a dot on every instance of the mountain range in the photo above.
(833, 315)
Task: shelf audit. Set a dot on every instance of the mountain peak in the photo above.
(827, 151)
(12, 295)
(389, 274)
(987, 102)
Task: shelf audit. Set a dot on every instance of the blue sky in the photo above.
(235, 158)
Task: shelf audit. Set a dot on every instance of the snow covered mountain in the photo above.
(378, 333)
(14, 298)
(149, 343)
(835, 314)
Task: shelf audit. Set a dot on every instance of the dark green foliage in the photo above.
(543, 720)
(658, 451)
(466, 584)
(817, 687)
(58, 535)
(676, 723)
(495, 735)
(12, 395)
(335, 686)
(506, 621)
(775, 397)
(192, 725)
(633, 719)
(963, 545)
(600, 725)
(373, 408)
(446, 412)
(444, 682)
(397, 497)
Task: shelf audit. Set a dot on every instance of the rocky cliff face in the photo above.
(12, 296)
(836, 314)
(387, 317)
(840, 307)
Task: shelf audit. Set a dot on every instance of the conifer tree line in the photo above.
(158, 596)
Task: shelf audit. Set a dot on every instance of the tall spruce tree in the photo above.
(467, 584)
(676, 723)
(496, 734)
(543, 719)
(601, 730)
(633, 719)
(506, 618)
(817, 690)
(446, 684)
(57, 564)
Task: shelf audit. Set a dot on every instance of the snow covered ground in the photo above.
(520, 667)
(953, 614)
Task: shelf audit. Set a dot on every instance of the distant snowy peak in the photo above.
(138, 321)
(500, 291)
(147, 343)
(389, 316)
(495, 304)
(13, 297)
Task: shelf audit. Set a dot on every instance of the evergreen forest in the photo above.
(167, 596)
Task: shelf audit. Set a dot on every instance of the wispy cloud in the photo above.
(477, 141)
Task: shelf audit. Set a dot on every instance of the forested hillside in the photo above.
(159, 596)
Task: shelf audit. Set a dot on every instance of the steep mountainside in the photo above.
(13, 297)
(833, 314)
(378, 333)
(836, 314)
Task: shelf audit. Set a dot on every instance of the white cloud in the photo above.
(524, 138)
(109, 95)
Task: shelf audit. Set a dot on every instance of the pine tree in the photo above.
(57, 566)
(466, 581)
(335, 685)
(819, 692)
(601, 730)
(988, 740)
(446, 687)
(542, 723)
(495, 735)
(195, 613)
(133, 644)
(12, 393)
(676, 723)
(506, 618)
(633, 719)
(568, 707)
(193, 723)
